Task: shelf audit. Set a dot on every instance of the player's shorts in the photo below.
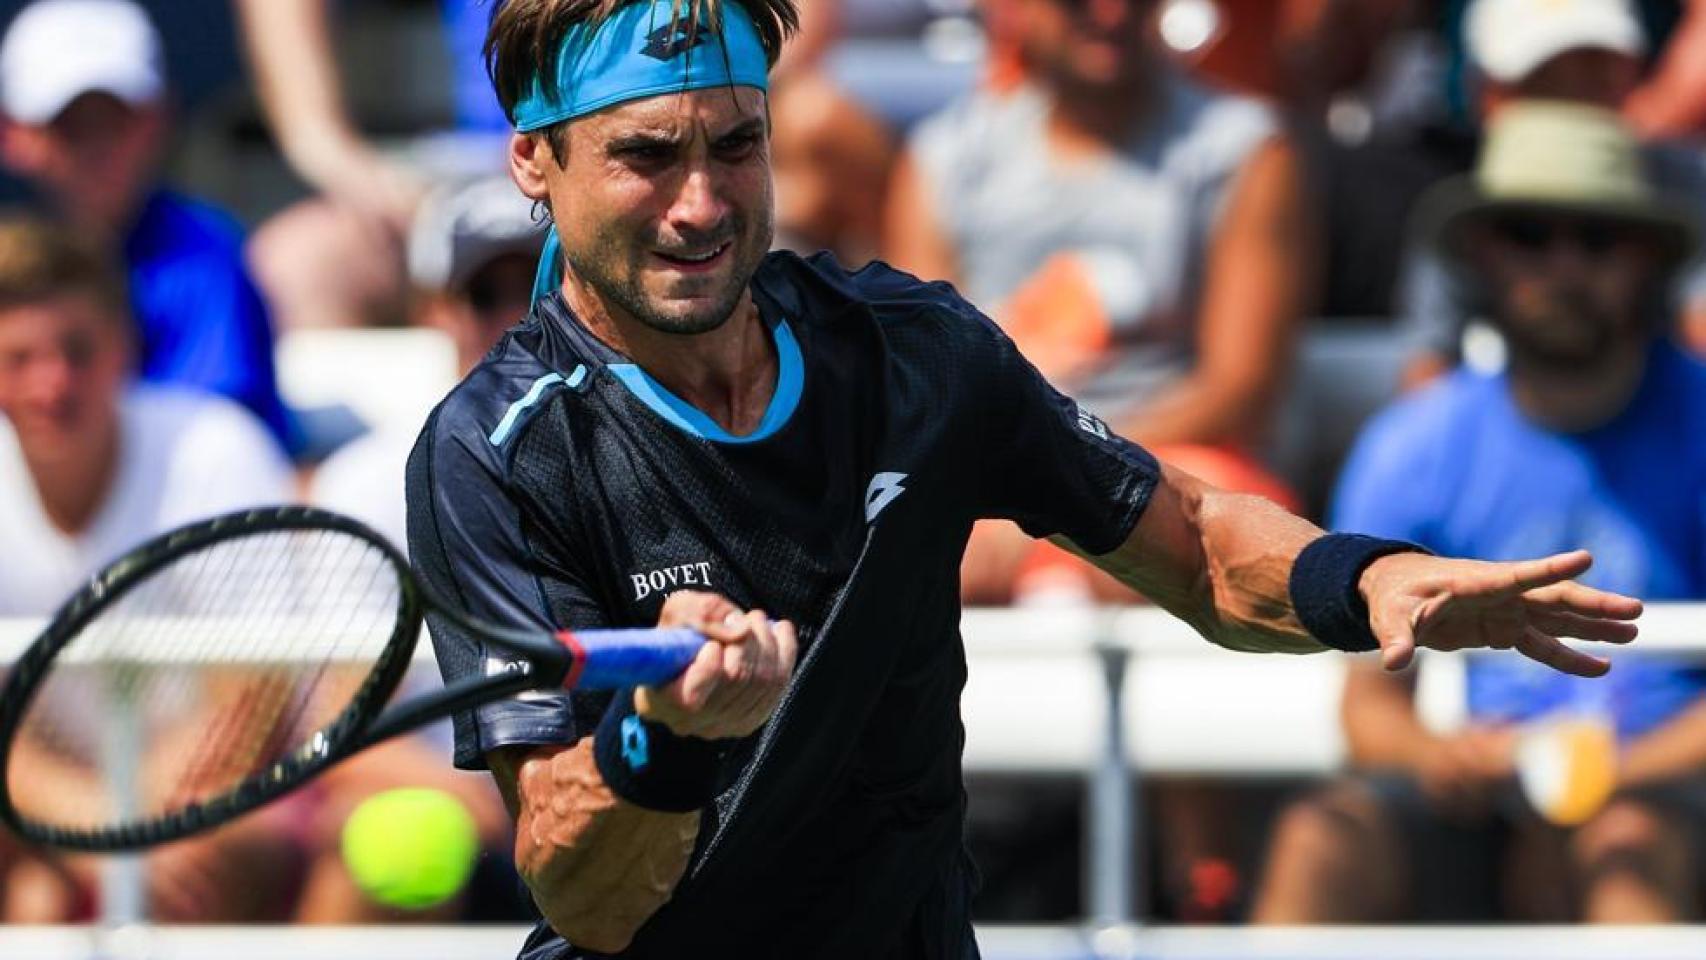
(1456, 866)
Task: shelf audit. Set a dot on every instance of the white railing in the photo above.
(996, 943)
(1106, 693)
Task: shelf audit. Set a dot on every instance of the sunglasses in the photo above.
(1538, 234)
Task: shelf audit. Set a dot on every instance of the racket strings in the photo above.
(217, 669)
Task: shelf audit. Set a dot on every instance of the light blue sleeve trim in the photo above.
(790, 384)
(513, 415)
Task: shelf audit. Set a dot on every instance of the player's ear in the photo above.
(529, 154)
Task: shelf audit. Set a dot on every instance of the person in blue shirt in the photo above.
(84, 96)
(1592, 435)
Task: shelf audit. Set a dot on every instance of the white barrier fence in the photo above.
(1191, 708)
(1105, 693)
(996, 943)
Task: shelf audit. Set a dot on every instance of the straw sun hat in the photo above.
(1551, 158)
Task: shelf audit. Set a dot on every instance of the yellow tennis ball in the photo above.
(411, 848)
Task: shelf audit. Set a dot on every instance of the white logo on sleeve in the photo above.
(497, 666)
(1091, 424)
(884, 488)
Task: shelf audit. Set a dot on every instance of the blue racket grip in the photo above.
(612, 659)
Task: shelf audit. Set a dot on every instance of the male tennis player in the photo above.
(688, 429)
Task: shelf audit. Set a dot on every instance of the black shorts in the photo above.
(1457, 866)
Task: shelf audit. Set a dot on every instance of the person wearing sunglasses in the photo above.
(1591, 434)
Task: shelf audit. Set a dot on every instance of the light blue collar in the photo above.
(790, 383)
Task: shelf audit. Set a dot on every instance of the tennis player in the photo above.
(688, 429)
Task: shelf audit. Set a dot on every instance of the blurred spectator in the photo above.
(1361, 81)
(472, 254)
(1582, 51)
(1143, 239)
(831, 158)
(335, 259)
(86, 122)
(91, 464)
(338, 258)
(1592, 438)
(1672, 101)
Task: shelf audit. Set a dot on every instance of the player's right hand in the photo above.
(733, 685)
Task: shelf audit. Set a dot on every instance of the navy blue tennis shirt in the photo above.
(560, 486)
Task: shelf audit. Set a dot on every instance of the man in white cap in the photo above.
(1579, 51)
(86, 119)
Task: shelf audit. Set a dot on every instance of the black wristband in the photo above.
(1325, 587)
(649, 765)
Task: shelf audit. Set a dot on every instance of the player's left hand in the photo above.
(1415, 600)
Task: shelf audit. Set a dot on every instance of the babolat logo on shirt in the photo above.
(671, 40)
(669, 579)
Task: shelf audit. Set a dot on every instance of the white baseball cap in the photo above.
(1509, 39)
(57, 50)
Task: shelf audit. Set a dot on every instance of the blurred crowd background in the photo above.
(1419, 268)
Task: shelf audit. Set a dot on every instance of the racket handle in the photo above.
(610, 659)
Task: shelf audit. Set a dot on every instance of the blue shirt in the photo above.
(201, 322)
(477, 108)
(1458, 469)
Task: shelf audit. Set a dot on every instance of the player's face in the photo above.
(665, 205)
(63, 363)
(1566, 288)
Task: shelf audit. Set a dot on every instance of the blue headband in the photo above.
(644, 50)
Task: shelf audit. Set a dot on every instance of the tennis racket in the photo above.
(224, 664)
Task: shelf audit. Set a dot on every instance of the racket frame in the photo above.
(545, 662)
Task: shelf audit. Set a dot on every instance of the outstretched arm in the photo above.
(1223, 563)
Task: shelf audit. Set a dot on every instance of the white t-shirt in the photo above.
(183, 456)
(364, 480)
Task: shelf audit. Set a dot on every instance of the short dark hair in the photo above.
(41, 260)
(526, 36)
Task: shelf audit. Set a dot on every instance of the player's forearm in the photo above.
(1219, 561)
(1672, 749)
(598, 867)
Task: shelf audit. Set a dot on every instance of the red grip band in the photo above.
(577, 658)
